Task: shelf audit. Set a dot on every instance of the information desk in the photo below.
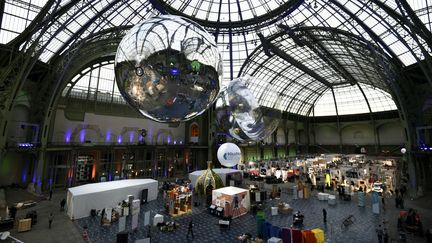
(82, 199)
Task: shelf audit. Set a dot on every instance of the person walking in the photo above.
(397, 200)
(385, 236)
(50, 195)
(324, 215)
(50, 219)
(190, 229)
(380, 233)
(62, 204)
(401, 202)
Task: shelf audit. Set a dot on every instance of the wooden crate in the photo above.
(24, 225)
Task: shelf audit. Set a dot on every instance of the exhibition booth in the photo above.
(179, 200)
(233, 200)
(82, 199)
(230, 177)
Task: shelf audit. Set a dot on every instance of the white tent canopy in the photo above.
(82, 199)
(193, 176)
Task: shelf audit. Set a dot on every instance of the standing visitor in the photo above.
(62, 204)
(324, 215)
(380, 233)
(190, 229)
(385, 236)
(50, 219)
(401, 202)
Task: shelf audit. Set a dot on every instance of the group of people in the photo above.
(382, 233)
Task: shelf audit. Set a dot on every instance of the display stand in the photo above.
(24, 225)
(179, 201)
(295, 192)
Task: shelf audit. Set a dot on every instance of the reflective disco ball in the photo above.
(168, 68)
(240, 115)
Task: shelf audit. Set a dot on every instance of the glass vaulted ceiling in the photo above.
(235, 25)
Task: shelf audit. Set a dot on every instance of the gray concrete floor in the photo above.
(62, 228)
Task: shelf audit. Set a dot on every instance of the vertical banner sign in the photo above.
(134, 221)
(136, 206)
(375, 203)
(146, 218)
(122, 224)
(108, 213)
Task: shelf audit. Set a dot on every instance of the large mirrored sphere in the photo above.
(168, 68)
(239, 113)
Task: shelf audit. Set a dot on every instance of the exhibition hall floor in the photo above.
(206, 226)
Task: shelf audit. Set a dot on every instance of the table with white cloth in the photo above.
(323, 196)
(274, 211)
(158, 218)
(332, 200)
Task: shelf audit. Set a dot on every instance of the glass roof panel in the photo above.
(96, 83)
(227, 10)
(17, 16)
(350, 100)
(378, 100)
(356, 60)
(325, 105)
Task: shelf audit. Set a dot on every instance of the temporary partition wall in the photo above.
(82, 199)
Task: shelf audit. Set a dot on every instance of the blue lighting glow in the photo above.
(26, 145)
(68, 136)
(24, 174)
(82, 136)
(174, 71)
(108, 136)
(119, 139)
(131, 137)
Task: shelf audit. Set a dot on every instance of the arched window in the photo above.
(194, 133)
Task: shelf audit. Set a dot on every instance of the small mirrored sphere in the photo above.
(169, 68)
(239, 113)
